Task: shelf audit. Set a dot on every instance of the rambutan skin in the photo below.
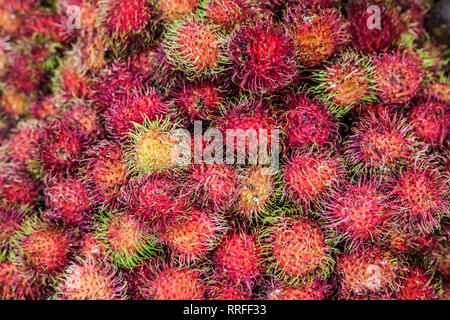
(10, 219)
(62, 147)
(174, 283)
(229, 13)
(431, 121)
(295, 249)
(67, 200)
(308, 290)
(262, 57)
(307, 122)
(397, 77)
(317, 33)
(90, 280)
(417, 285)
(15, 286)
(238, 258)
(105, 173)
(17, 187)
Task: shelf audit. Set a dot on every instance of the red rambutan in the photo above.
(229, 13)
(17, 187)
(15, 286)
(418, 285)
(307, 290)
(262, 57)
(10, 219)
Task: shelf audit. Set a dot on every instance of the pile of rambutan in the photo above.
(223, 150)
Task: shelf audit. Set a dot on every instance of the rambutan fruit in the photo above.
(238, 258)
(62, 146)
(199, 100)
(229, 13)
(67, 200)
(317, 33)
(345, 83)
(431, 120)
(192, 235)
(18, 187)
(257, 187)
(382, 143)
(402, 241)
(372, 38)
(248, 129)
(307, 122)
(42, 249)
(21, 147)
(308, 176)
(122, 21)
(224, 290)
(155, 147)
(172, 10)
(296, 248)
(93, 248)
(14, 104)
(89, 280)
(174, 283)
(92, 52)
(195, 47)
(128, 241)
(15, 286)
(439, 90)
(10, 219)
(152, 197)
(419, 194)
(306, 290)
(262, 57)
(82, 117)
(364, 271)
(137, 105)
(214, 186)
(105, 172)
(360, 211)
(418, 284)
(45, 107)
(398, 77)
(162, 73)
(47, 25)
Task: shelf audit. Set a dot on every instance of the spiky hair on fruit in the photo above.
(15, 286)
(257, 188)
(90, 280)
(21, 146)
(200, 100)
(318, 33)
(225, 290)
(418, 284)
(309, 174)
(307, 122)
(14, 104)
(397, 76)
(105, 172)
(17, 187)
(137, 105)
(368, 271)
(154, 198)
(195, 47)
(262, 57)
(367, 35)
(420, 196)
(248, 129)
(62, 147)
(345, 82)
(91, 247)
(113, 82)
(382, 143)
(156, 147)
(403, 241)
(295, 248)
(360, 211)
(67, 200)
(42, 249)
(229, 13)
(172, 10)
(10, 219)
(213, 186)
(121, 22)
(192, 235)
(238, 258)
(430, 119)
(44, 107)
(128, 241)
(307, 289)
(439, 89)
(83, 117)
(167, 282)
